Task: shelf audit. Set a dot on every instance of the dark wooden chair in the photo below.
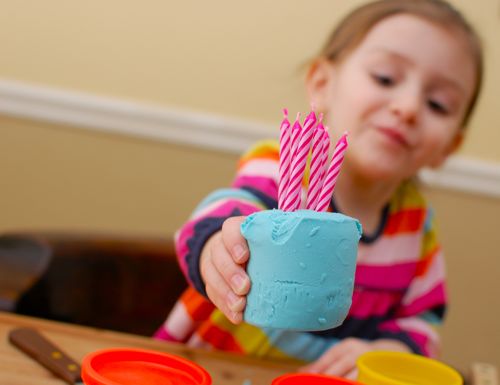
(119, 283)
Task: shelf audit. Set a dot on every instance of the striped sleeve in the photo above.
(421, 311)
(254, 188)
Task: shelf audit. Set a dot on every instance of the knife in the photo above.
(46, 353)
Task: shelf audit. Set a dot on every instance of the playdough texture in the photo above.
(301, 267)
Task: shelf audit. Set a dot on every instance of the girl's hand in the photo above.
(340, 360)
(222, 267)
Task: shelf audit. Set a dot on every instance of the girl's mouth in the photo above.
(395, 136)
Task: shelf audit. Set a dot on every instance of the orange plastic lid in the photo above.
(311, 379)
(140, 367)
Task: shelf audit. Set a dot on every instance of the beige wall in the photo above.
(227, 58)
(64, 178)
(468, 229)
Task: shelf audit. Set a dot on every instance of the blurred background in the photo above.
(119, 116)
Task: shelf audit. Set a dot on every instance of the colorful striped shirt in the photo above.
(399, 288)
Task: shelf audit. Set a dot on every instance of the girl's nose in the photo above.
(406, 106)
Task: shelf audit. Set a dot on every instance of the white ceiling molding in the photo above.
(87, 111)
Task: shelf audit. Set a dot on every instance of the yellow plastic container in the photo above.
(395, 368)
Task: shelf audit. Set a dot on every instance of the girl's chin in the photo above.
(386, 176)
(378, 170)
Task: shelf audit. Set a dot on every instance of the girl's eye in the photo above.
(383, 80)
(437, 107)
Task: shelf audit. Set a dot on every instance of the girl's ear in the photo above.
(452, 147)
(318, 80)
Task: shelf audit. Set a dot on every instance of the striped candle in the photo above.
(332, 174)
(326, 153)
(299, 160)
(294, 140)
(296, 129)
(285, 158)
(316, 166)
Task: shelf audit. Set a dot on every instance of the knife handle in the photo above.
(45, 352)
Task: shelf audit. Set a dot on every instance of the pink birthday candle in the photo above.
(316, 170)
(285, 158)
(326, 152)
(296, 129)
(294, 140)
(332, 174)
(299, 159)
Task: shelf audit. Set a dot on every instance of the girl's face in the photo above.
(402, 94)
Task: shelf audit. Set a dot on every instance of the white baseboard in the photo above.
(87, 111)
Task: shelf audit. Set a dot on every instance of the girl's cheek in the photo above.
(439, 138)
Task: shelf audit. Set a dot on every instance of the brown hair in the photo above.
(354, 27)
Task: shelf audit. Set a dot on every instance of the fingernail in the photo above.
(234, 302)
(235, 317)
(239, 252)
(239, 283)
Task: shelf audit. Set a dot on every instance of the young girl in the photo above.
(402, 76)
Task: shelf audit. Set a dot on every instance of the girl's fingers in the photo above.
(233, 274)
(340, 360)
(352, 375)
(222, 269)
(341, 367)
(322, 363)
(222, 295)
(235, 243)
(231, 255)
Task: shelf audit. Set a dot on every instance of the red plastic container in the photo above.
(140, 367)
(311, 379)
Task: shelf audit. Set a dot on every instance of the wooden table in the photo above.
(18, 369)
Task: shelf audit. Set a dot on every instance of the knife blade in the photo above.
(38, 347)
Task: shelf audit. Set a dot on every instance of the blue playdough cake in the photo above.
(301, 266)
